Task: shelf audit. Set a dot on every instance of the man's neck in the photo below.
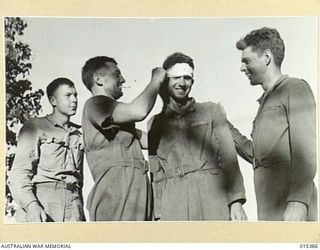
(96, 92)
(61, 119)
(178, 103)
(270, 79)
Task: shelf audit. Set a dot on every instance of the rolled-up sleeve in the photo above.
(302, 137)
(99, 111)
(228, 157)
(22, 171)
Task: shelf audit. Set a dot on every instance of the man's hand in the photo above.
(237, 213)
(158, 75)
(295, 211)
(35, 213)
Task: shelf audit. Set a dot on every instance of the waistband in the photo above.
(183, 169)
(268, 162)
(130, 163)
(72, 187)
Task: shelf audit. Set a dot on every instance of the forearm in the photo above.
(243, 145)
(22, 171)
(143, 104)
(21, 187)
(140, 107)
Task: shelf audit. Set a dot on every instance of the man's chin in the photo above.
(253, 83)
(72, 113)
(118, 96)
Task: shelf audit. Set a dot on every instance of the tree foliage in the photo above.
(22, 102)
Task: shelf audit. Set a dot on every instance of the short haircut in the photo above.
(171, 60)
(177, 58)
(55, 84)
(91, 66)
(262, 39)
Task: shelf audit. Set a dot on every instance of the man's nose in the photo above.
(74, 98)
(243, 67)
(182, 80)
(122, 80)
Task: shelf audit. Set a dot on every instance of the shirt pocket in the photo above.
(52, 153)
(195, 137)
(272, 130)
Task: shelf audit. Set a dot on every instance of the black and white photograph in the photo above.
(160, 119)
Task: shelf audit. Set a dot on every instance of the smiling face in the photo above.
(179, 87)
(111, 80)
(64, 100)
(253, 64)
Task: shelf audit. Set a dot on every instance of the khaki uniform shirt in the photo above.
(46, 152)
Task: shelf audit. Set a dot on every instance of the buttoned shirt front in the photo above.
(46, 152)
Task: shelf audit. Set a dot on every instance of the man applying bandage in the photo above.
(194, 168)
(113, 145)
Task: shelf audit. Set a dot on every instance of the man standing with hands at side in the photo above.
(283, 146)
(46, 177)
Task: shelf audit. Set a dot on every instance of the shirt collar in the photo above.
(173, 108)
(277, 84)
(71, 126)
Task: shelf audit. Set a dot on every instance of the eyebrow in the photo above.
(117, 71)
(245, 59)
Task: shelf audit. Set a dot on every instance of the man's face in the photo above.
(179, 87)
(253, 65)
(65, 100)
(180, 83)
(112, 80)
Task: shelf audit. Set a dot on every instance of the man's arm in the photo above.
(22, 172)
(243, 145)
(141, 106)
(228, 158)
(301, 113)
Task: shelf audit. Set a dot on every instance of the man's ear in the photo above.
(267, 56)
(52, 101)
(97, 79)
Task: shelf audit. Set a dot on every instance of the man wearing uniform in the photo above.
(46, 176)
(283, 146)
(193, 161)
(113, 144)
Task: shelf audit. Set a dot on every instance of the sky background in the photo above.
(60, 47)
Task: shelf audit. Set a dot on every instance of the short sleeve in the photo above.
(99, 111)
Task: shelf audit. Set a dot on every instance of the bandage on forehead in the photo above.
(180, 69)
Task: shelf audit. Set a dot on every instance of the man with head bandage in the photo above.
(194, 168)
(180, 69)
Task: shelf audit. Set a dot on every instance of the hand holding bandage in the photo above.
(180, 69)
